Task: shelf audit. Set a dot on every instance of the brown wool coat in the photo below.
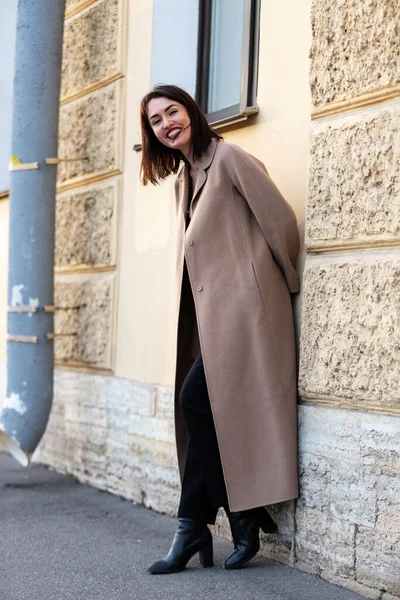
(240, 247)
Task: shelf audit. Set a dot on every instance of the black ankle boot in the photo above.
(192, 536)
(245, 527)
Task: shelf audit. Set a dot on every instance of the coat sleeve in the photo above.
(274, 215)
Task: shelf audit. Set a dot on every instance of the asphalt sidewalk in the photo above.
(60, 540)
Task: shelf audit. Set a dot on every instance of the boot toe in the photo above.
(161, 567)
(239, 559)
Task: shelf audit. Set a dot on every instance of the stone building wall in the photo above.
(348, 515)
(118, 434)
(89, 188)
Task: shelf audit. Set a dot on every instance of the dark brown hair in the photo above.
(159, 161)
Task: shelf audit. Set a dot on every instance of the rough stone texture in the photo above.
(378, 559)
(85, 320)
(378, 549)
(324, 541)
(88, 129)
(164, 402)
(350, 340)
(348, 515)
(90, 47)
(106, 431)
(354, 186)
(354, 49)
(84, 227)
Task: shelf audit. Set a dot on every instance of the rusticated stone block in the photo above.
(315, 479)
(76, 436)
(126, 399)
(283, 515)
(350, 461)
(84, 320)
(84, 227)
(378, 559)
(278, 547)
(164, 402)
(102, 430)
(388, 505)
(143, 469)
(348, 464)
(354, 187)
(354, 49)
(222, 527)
(90, 47)
(380, 448)
(88, 130)
(353, 495)
(350, 340)
(324, 541)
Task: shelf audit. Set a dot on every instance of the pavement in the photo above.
(61, 540)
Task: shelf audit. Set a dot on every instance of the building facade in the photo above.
(328, 131)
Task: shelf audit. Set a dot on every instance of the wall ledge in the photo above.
(357, 103)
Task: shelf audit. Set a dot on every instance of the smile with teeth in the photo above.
(172, 134)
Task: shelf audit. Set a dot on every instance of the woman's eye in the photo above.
(172, 112)
(156, 122)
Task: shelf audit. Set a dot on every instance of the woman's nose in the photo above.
(166, 122)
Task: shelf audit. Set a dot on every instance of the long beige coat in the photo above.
(240, 247)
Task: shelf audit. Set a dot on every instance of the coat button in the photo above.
(191, 242)
(199, 288)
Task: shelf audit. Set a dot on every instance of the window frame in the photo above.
(249, 67)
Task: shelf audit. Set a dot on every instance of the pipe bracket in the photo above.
(23, 166)
(21, 309)
(25, 339)
(33, 309)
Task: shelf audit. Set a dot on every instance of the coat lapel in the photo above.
(202, 165)
(183, 177)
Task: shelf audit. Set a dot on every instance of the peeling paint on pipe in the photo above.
(30, 367)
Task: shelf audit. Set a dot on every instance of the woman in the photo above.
(235, 385)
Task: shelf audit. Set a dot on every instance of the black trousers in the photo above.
(203, 487)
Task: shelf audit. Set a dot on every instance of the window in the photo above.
(210, 48)
(227, 59)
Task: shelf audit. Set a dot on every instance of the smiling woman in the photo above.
(235, 380)
(170, 123)
(165, 109)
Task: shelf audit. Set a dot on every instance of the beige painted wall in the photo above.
(279, 135)
(3, 275)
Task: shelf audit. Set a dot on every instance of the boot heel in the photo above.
(206, 555)
(266, 522)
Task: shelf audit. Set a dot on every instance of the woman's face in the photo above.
(171, 124)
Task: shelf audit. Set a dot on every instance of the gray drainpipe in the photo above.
(30, 362)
